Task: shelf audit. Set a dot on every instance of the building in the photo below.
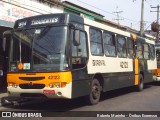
(12, 10)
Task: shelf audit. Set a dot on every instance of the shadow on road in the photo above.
(122, 91)
(156, 83)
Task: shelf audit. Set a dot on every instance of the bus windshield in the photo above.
(39, 49)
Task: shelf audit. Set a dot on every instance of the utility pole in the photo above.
(142, 19)
(118, 12)
(157, 20)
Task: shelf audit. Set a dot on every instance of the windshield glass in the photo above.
(40, 49)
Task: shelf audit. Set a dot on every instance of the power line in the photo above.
(105, 11)
(117, 13)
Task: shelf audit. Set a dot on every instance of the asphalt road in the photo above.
(126, 99)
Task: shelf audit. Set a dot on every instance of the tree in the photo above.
(155, 27)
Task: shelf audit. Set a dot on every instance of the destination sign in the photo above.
(40, 20)
(44, 21)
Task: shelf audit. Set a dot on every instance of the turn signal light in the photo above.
(63, 84)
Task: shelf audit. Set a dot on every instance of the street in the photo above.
(125, 99)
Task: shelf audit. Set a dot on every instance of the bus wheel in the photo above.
(95, 93)
(140, 85)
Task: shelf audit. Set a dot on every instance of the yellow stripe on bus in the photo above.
(133, 36)
(136, 72)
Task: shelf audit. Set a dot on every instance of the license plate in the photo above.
(48, 91)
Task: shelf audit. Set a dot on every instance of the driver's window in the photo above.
(79, 53)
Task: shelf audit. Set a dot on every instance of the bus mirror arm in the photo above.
(4, 44)
(6, 34)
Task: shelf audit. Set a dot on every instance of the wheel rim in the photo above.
(95, 92)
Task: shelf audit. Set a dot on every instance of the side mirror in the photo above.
(4, 44)
(6, 37)
(76, 38)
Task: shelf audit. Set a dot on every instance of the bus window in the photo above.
(79, 53)
(139, 50)
(96, 42)
(146, 51)
(152, 52)
(130, 48)
(109, 44)
(121, 47)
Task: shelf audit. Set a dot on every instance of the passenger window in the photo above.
(121, 47)
(146, 51)
(109, 44)
(152, 52)
(96, 42)
(130, 48)
(139, 50)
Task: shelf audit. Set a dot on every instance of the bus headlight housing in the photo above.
(57, 85)
(51, 85)
(15, 86)
(12, 85)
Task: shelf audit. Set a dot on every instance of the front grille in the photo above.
(32, 86)
(31, 78)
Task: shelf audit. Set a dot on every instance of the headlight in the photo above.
(51, 85)
(63, 84)
(10, 84)
(57, 85)
(15, 85)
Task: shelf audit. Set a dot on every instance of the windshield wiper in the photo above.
(44, 31)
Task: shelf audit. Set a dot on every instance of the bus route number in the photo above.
(51, 77)
(124, 64)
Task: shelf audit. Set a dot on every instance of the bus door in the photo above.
(5, 46)
(1, 62)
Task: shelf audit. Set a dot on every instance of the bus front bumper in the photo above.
(39, 93)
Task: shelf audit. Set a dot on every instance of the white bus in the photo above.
(68, 56)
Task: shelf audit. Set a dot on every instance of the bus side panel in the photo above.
(152, 66)
(147, 73)
(118, 80)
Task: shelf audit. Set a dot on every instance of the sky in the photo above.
(130, 14)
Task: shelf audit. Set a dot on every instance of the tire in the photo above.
(95, 93)
(140, 85)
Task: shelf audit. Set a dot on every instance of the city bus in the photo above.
(69, 56)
